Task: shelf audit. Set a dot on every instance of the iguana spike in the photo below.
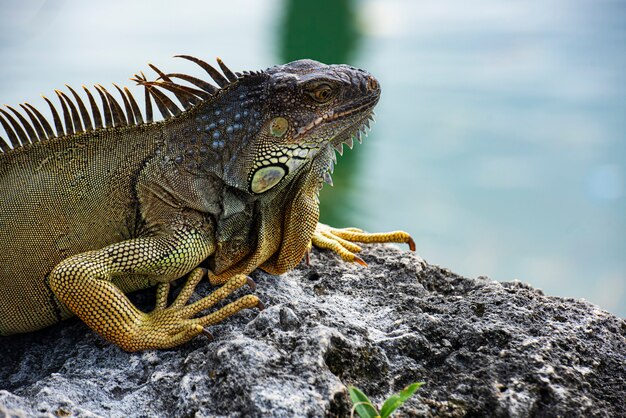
(130, 117)
(161, 100)
(32, 136)
(55, 117)
(193, 92)
(41, 135)
(227, 72)
(215, 75)
(147, 96)
(69, 126)
(187, 92)
(164, 103)
(134, 106)
(349, 142)
(108, 117)
(15, 142)
(4, 145)
(156, 70)
(165, 113)
(209, 88)
(82, 108)
(95, 112)
(183, 97)
(339, 148)
(16, 127)
(78, 125)
(148, 100)
(42, 120)
(116, 110)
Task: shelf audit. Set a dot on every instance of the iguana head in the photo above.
(310, 106)
(291, 115)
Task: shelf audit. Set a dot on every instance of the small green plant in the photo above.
(366, 409)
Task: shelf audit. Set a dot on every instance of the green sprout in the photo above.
(366, 409)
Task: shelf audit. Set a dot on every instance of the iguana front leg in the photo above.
(342, 240)
(84, 284)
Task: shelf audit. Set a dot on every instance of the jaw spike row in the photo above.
(328, 179)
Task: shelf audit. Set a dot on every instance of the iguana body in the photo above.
(100, 209)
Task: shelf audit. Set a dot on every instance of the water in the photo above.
(500, 142)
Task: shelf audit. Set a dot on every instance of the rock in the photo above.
(483, 348)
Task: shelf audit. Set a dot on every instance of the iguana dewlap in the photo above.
(108, 201)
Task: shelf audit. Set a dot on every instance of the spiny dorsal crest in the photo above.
(78, 118)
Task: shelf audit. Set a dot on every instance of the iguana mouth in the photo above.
(352, 130)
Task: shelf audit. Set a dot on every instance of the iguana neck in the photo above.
(279, 225)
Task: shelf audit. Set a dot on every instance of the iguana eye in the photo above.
(322, 93)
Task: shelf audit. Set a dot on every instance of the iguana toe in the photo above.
(342, 240)
(177, 324)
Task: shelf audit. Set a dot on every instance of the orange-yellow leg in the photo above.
(342, 240)
(87, 284)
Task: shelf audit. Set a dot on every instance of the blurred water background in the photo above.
(500, 143)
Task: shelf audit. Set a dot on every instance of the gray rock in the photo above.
(483, 348)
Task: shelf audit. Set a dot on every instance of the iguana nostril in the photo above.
(372, 84)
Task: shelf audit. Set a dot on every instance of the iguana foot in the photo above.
(166, 327)
(342, 240)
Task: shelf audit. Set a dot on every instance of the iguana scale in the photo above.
(110, 201)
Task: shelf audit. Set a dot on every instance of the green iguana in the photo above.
(110, 201)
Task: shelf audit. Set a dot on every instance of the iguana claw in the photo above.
(360, 261)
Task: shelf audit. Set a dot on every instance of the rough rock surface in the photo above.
(483, 348)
